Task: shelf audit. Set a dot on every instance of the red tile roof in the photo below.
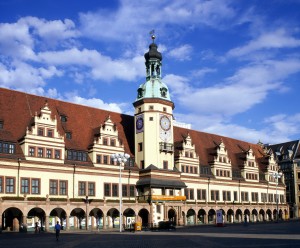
(17, 110)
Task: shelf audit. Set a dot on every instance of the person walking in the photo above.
(57, 230)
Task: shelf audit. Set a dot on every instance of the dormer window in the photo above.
(140, 93)
(105, 141)
(163, 92)
(40, 131)
(50, 133)
(113, 142)
(63, 118)
(68, 135)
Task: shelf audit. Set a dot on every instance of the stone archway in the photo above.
(57, 214)
(96, 215)
(39, 217)
(211, 216)
(191, 217)
(12, 218)
(239, 215)
(144, 216)
(261, 215)
(254, 215)
(230, 216)
(172, 216)
(201, 216)
(129, 217)
(269, 215)
(113, 216)
(247, 215)
(77, 216)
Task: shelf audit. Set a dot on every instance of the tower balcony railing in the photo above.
(166, 147)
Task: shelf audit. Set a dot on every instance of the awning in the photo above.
(159, 183)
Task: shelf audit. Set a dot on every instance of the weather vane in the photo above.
(152, 33)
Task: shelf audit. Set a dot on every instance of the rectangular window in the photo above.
(53, 187)
(214, 195)
(132, 190)
(124, 190)
(35, 186)
(1, 184)
(113, 142)
(31, 151)
(201, 194)
(158, 209)
(235, 195)
(151, 107)
(107, 189)
(57, 154)
(11, 149)
(5, 148)
(50, 133)
(165, 164)
(81, 188)
(91, 188)
(245, 196)
(171, 192)
(263, 197)
(63, 187)
(49, 153)
(10, 185)
(98, 158)
(140, 146)
(226, 196)
(142, 164)
(105, 141)
(105, 159)
(40, 152)
(40, 131)
(115, 190)
(254, 196)
(25, 185)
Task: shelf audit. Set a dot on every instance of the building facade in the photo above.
(288, 157)
(56, 164)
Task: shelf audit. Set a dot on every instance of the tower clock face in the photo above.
(139, 123)
(165, 123)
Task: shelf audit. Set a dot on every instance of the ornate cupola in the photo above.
(153, 116)
(153, 87)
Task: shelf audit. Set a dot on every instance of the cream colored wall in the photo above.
(151, 137)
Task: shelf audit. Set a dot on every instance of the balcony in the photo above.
(166, 147)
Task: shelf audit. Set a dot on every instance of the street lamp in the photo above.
(276, 175)
(121, 159)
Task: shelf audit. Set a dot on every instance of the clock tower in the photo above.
(153, 116)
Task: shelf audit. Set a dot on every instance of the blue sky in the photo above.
(232, 66)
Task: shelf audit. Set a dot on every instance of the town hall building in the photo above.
(57, 163)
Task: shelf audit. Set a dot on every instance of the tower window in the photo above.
(150, 118)
(140, 147)
(151, 107)
(142, 164)
(139, 110)
(165, 163)
(165, 109)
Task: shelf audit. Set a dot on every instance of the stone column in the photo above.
(92, 222)
(46, 223)
(104, 221)
(67, 223)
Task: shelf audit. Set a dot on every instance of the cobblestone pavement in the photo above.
(285, 234)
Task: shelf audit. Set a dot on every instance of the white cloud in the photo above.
(93, 102)
(181, 53)
(100, 66)
(203, 71)
(271, 40)
(161, 13)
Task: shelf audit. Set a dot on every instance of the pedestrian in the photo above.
(57, 230)
(36, 228)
